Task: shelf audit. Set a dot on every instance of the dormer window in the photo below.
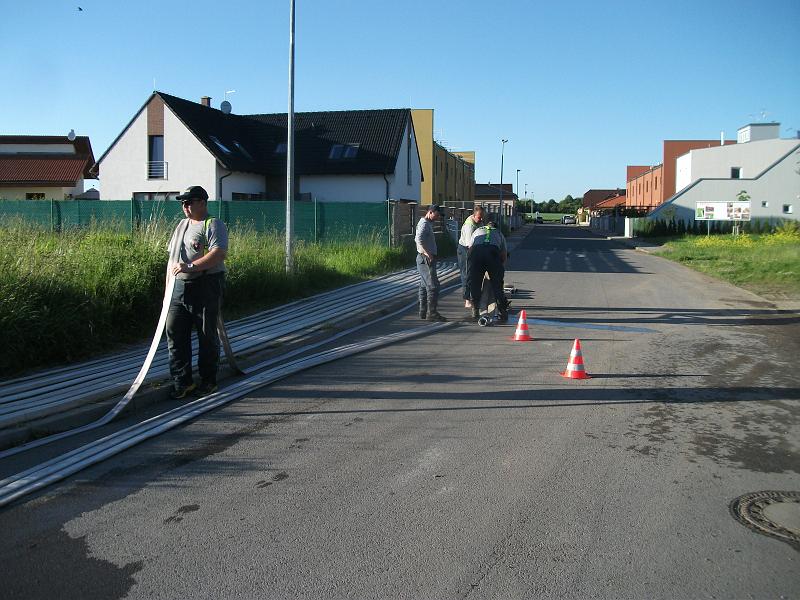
(219, 144)
(242, 149)
(343, 151)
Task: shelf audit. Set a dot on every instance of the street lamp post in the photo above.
(290, 149)
(502, 152)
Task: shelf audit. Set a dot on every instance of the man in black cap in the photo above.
(199, 246)
(426, 265)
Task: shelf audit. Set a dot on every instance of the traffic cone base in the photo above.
(522, 334)
(575, 366)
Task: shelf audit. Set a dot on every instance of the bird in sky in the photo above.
(80, 9)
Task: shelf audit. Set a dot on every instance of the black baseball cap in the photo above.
(195, 192)
(436, 208)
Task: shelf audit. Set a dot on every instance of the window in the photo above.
(787, 209)
(280, 148)
(156, 167)
(736, 172)
(408, 153)
(764, 204)
(219, 144)
(343, 151)
(154, 196)
(246, 196)
(34, 196)
(655, 183)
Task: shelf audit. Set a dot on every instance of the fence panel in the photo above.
(313, 221)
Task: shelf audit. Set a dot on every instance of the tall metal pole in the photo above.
(290, 149)
(502, 151)
(518, 170)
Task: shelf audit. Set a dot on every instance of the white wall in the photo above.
(244, 183)
(778, 186)
(344, 188)
(716, 162)
(398, 181)
(123, 171)
(50, 193)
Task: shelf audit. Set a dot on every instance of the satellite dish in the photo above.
(225, 107)
(71, 135)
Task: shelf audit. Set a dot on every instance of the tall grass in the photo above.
(765, 264)
(70, 295)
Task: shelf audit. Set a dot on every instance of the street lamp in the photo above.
(290, 150)
(502, 151)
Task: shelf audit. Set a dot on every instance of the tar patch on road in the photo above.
(59, 566)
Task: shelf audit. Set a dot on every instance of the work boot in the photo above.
(423, 313)
(434, 315)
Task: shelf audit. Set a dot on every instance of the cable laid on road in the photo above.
(60, 389)
(56, 469)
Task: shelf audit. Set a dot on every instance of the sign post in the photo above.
(736, 211)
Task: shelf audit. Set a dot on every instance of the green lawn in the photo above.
(768, 265)
(67, 296)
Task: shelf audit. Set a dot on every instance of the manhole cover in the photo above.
(776, 514)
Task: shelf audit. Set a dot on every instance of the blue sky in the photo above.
(579, 88)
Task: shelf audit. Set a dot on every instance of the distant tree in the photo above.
(552, 206)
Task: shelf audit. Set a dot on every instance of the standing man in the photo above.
(426, 265)
(467, 229)
(201, 244)
(487, 254)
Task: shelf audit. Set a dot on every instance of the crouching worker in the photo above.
(202, 244)
(488, 254)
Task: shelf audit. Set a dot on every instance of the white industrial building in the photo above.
(760, 164)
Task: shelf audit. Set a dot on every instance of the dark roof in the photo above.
(489, 190)
(250, 143)
(45, 168)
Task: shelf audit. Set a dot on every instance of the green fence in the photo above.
(313, 221)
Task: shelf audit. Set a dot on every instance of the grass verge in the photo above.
(768, 265)
(65, 297)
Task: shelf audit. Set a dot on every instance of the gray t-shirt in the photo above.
(198, 240)
(488, 235)
(425, 238)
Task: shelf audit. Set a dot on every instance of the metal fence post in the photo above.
(52, 216)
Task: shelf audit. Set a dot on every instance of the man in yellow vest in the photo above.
(202, 244)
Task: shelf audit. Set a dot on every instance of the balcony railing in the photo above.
(157, 170)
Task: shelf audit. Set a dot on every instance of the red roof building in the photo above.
(38, 167)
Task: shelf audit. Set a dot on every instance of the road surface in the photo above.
(461, 464)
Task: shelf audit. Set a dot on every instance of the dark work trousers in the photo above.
(485, 258)
(428, 284)
(195, 304)
(463, 267)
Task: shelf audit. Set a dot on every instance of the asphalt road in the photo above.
(461, 464)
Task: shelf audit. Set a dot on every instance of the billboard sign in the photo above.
(722, 211)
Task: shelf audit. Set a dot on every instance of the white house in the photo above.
(761, 164)
(43, 167)
(340, 156)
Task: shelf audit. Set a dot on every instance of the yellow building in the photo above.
(448, 177)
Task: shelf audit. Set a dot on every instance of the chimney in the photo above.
(206, 101)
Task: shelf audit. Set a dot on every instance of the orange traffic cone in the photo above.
(575, 368)
(521, 334)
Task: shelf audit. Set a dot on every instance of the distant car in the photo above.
(568, 220)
